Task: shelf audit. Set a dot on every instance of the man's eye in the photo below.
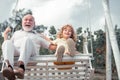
(30, 20)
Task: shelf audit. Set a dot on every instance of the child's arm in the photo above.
(52, 46)
(45, 37)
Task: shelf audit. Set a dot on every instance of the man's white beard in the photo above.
(27, 28)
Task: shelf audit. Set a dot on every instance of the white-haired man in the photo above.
(24, 43)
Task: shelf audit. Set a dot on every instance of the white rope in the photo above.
(89, 24)
(15, 8)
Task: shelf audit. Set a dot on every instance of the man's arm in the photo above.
(5, 34)
(45, 37)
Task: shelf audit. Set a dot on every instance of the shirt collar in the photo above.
(32, 31)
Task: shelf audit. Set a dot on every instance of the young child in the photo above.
(65, 42)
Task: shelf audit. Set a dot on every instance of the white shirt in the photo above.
(37, 40)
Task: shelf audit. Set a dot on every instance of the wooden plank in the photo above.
(52, 58)
(55, 66)
(69, 76)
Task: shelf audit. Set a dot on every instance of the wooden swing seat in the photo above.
(45, 67)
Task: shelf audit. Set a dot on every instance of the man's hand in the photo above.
(52, 46)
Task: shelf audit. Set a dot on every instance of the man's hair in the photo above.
(26, 14)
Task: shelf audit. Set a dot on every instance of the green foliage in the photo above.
(40, 28)
(99, 51)
(79, 30)
(52, 30)
(44, 51)
(79, 43)
(117, 31)
(1, 41)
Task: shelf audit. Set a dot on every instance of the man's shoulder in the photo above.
(18, 31)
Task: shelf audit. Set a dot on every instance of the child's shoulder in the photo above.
(59, 39)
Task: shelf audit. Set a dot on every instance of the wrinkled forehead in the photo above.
(28, 16)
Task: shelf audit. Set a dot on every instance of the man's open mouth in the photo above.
(28, 25)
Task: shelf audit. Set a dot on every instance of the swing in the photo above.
(41, 67)
(45, 67)
(46, 70)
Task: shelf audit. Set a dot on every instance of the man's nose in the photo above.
(28, 21)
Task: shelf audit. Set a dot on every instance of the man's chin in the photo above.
(27, 29)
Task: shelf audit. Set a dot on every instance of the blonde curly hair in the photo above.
(73, 35)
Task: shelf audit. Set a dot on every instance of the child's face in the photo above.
(67, 32)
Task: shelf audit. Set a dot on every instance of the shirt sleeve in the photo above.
(12, 38)
(44, 43)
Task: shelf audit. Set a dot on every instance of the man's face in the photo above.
(28, 22)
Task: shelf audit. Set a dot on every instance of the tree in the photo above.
(117, 31)
(79, 43)
(1, 41)
(79, 30)
(99, 49)
(40, 28)
(52, 32)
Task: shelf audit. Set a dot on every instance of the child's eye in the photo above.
(65, 29)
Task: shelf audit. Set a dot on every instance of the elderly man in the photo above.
(24, 43)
